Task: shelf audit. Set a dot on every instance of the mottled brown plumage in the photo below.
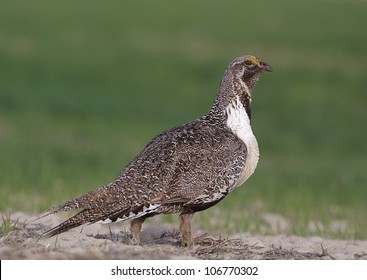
(185, 169)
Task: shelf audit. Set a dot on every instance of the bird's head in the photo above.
(246, 70)
(240, 78)
(238, 81)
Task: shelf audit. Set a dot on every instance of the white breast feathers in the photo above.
(239, 123)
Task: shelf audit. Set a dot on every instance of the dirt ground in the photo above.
(162, 241)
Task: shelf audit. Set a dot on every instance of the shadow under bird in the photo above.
(185, 169)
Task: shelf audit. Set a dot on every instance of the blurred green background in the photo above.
(84, 85)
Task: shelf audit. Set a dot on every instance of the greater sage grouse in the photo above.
(185, 169)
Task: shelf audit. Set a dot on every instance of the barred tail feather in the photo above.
(89, 216)
(75, 221)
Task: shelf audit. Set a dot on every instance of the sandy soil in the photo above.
(161, 241)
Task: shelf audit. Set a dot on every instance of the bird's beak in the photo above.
(265, 67)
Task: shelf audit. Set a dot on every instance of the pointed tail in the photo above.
(75, 221)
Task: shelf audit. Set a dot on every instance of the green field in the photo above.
(84, 85)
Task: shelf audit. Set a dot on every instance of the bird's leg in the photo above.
(135, 228)
(185, 228)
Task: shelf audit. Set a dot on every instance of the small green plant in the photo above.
(7, 224)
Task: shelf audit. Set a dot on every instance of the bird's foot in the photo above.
(186, 243)
(134, 242)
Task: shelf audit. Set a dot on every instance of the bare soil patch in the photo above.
(162, 242)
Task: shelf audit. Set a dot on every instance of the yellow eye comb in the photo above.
(252, 59)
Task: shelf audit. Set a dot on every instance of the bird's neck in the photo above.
(231, 92)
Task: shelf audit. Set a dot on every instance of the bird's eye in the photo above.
(248, 63)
